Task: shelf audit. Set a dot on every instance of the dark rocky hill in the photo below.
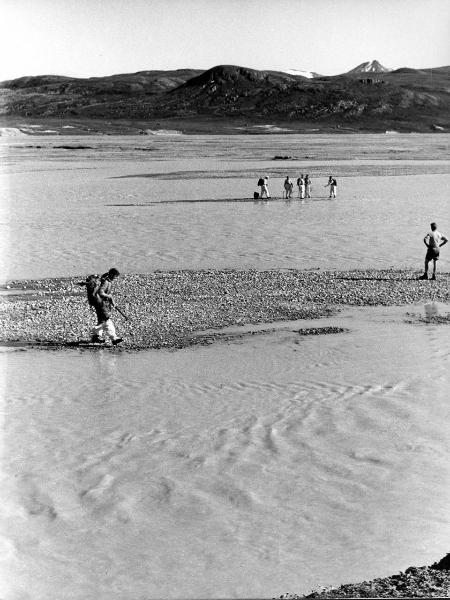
(142, 81)
(405, 99)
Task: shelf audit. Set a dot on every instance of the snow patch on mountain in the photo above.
(308, 74)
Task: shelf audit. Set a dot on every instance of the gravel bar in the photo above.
(171, 309)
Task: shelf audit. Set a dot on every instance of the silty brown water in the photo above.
(278, 463)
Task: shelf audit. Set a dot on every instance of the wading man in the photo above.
(99, 296)
(333, 186)
(308, 186)
(301, 187)
(265, 187)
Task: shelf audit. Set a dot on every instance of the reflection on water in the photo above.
(277, 463)
(431, 310)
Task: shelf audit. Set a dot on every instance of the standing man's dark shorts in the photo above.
(432, 253)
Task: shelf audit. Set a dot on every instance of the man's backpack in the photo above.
(92, 283)
(260, 181)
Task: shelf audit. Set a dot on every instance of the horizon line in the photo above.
(276, 70)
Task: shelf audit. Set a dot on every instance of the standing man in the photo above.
(288, 187)
(434, 240)
(301, 187)
(308, 186)
(260, 185)
(265, 187)
(104, 303)
(333, 185)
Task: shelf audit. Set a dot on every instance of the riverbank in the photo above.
(174, 309)
(30, 126)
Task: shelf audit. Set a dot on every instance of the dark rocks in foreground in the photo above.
(174, 309)
(415, 582)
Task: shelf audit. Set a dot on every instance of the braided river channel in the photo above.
(247, 468)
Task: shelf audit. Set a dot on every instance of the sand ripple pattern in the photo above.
(268, 454)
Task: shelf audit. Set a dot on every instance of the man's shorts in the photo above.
(432, 253)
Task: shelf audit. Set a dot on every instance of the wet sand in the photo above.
(174, 309)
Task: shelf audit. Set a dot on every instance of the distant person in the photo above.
(288, 187)
(333, 185)
(260, 185)
(308, 186)
(301, 186)
(433, 240)
(99, 296)
(265, 187)
(105, 326)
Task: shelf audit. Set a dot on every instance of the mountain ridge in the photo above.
(403, 99)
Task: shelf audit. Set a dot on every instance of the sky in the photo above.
(87, 38)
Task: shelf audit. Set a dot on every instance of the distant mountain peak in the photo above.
(372, 66)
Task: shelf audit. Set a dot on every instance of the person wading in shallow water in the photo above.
(301, 187)
(265, 187)
(333, 186)
(99, 296)
(308, 186)
(288, 187)
(434, 240)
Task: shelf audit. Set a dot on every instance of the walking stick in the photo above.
(123, 314)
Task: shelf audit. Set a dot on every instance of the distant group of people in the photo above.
(304, 185)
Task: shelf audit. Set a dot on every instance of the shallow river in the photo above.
(273, 464)
(128, 201)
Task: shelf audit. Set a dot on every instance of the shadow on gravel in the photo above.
(414, 278)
